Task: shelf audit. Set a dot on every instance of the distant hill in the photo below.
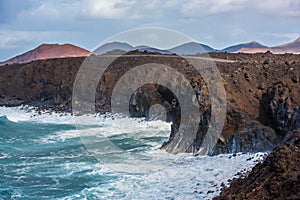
(191, 48)
(253, 50)
(249, 45)
(113, 46)
(46, 51)
(123, 47)
(291, 47)
(151, 49)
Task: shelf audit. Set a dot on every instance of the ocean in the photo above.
(45, 156)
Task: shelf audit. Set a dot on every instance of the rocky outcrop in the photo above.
(278, 177)
(202, 97)
(46, 84)
(276, 110)
(276, 119)
(255, 137)
(252, 85)
(262, 95)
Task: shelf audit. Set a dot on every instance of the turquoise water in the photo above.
(37, 170)
(44, 157)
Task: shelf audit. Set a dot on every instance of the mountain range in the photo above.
(46, 51)
(108, 47)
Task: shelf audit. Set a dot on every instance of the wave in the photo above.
(4, 121)
(39, 151)
(25, 113)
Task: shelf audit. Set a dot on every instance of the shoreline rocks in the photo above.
(262, 97)
(278, 177)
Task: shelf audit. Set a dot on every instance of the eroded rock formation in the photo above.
(262, 95)
(276, 178)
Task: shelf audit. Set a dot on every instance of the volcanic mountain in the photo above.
(249, 45)
(291, 47)
(113, 46)
(124, 47)
(46, 51)
(191, 48)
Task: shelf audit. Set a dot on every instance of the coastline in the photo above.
(252, 83)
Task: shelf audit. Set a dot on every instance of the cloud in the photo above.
(10, 9)
(87, 22)
(226, 6)
(195, 8)
(108, 9)
(290, 8)
(51, 10)
(10, 38)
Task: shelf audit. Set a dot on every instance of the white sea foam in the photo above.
(24, 113)
(186, 177)
(180, 176)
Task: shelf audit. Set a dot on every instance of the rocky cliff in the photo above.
(263, 95)
(278, 177)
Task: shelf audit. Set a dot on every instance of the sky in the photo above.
(25, 24)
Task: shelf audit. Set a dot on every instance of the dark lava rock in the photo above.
(278, 177)
(276, 109)
(255, 137)
(267, 95)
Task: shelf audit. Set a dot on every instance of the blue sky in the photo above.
(25, 24)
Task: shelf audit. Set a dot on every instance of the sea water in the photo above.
(43, 156)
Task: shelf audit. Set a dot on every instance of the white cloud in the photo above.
(226, 5)
(52, 10)
(194, 8)
(203, 7)
(279, 7)
(128, 9)
(151, 5)
(215, 22)
(110, 9)
(157, 9)
(11, 38)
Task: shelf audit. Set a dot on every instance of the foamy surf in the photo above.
(45, 150)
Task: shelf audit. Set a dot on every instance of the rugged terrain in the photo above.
(263, 94)
(263, 98)
(278, 177)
